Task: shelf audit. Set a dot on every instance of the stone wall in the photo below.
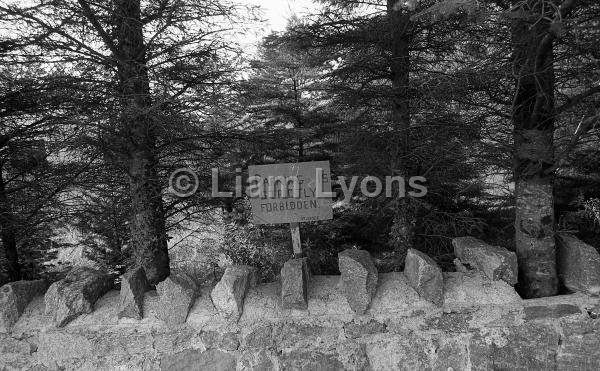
(482, 325)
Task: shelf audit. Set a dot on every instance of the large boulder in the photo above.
(359, 278)
(294, 284)
(425, 276)
(229, 293)
(177, 294)
(76, 294)
(14, 298)
(495, 262)
(131, 298)
(578, 265)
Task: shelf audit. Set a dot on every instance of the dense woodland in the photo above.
(496, 103)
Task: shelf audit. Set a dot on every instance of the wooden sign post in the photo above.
(291, 193)
(296, 240)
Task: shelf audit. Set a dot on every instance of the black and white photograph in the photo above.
(300, 185)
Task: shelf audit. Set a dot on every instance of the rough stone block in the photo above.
(354, 330)
(194, 359)
(451, 354)
(229, 293)
(260, 337)
(359, 278)
(449, 322)
(227, 341)
(307, 360)
(527, 347)
(14, 298)
(425, 276)
(536, 312)
(258, 360)
(298, 336)
(294, 284)
(496, 262)
(12, 346)
(406, 352)
(177, 294)
(131, 299)
(353, 355)
(579, 353)
(578, 265)
(579, 348)
(76, 294)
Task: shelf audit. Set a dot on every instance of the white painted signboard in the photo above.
(291, 193)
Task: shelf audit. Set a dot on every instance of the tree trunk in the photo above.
(299, 123)
(13, 267)
(8, 235)
(533, 120)
(399, 20)
(148, 235)
(403, 229)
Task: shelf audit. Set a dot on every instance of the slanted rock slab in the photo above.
(229, 293)
(294, 284)
(425, 276)
(131, 299)
(177, 294)
(14, 298)
(76, 294)
(359, 278)
(578, 265)
(495, 262)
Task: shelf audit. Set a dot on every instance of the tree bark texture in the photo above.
(148, 235)
(533, 120)
(403, 229)
(8, 235)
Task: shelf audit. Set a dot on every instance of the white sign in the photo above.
(290, 193)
